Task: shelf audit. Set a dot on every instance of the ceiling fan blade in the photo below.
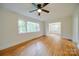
(45, 4)
(45, 10)
(34, 4)
(33, 10)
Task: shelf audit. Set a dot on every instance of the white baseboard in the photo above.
(68, 36)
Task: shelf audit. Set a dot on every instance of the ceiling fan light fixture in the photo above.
(39, 10)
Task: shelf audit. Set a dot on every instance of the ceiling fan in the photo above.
(39, 8)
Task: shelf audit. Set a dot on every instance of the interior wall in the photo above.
(76, 26)
(1, 27)
(66, 26)
(9, 29)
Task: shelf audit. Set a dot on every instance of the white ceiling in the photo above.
(57, 10)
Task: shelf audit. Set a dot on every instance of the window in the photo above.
(55, 27)
(32, 27)
(22, 26)
(25, 27)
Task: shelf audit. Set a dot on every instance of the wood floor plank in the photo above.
(44, 46)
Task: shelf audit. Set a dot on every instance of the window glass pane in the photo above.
(22, 26)
(55, 27)
(32, 27)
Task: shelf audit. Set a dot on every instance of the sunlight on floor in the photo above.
(55, 37)
(35, 50)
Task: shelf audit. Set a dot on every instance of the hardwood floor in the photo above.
(51, 45)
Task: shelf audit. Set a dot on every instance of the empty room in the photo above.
(39, 29)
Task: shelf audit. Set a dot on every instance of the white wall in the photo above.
(76, 26)
(9, 30)
(66, 26)
(1, 27)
